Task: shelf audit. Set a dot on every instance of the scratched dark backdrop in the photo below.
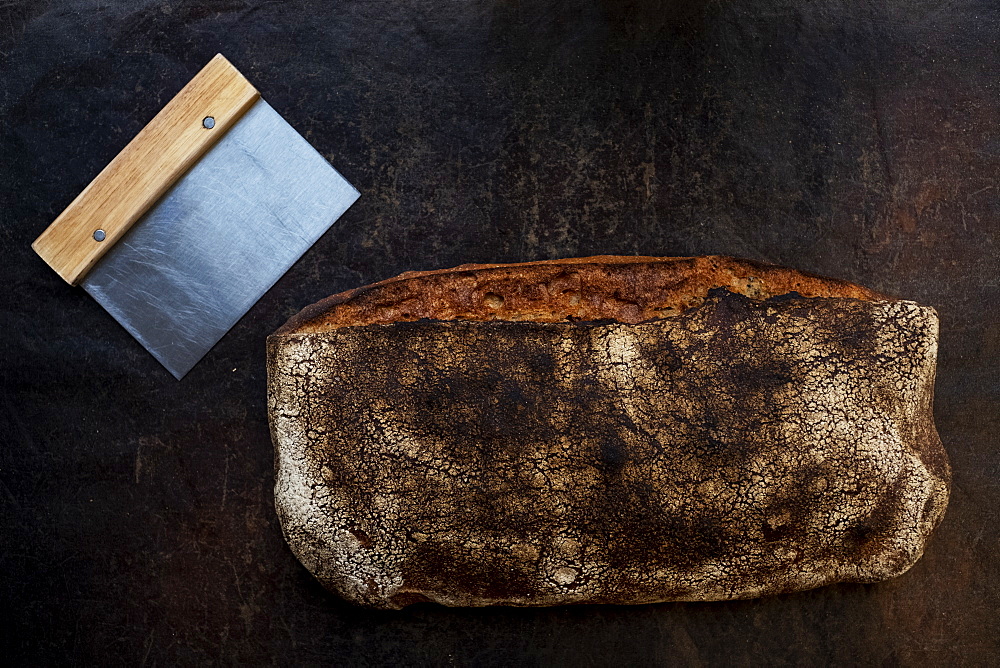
(855, 139)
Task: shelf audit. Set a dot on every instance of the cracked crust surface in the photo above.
(746, 446)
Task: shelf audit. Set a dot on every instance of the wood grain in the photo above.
(145, 169)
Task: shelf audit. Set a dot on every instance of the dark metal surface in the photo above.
(858, 140)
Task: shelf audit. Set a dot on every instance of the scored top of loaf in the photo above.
(628, 289)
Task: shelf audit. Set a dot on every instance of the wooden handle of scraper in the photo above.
(145, 169)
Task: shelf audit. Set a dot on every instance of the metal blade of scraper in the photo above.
(196, 262)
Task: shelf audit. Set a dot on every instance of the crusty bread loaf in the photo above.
(605, 430)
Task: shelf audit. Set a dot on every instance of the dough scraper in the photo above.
(197, 217)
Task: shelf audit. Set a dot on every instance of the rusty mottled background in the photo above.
(855, 139)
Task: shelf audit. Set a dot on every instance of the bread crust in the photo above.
(605, 287)
(745, 446)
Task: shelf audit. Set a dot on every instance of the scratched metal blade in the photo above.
(219, 239)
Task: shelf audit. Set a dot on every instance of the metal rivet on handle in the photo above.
(99, 235)
(209, 122)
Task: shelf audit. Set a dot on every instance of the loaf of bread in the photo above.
(605, 430)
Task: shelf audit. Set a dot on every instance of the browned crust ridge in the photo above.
(627, 289)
